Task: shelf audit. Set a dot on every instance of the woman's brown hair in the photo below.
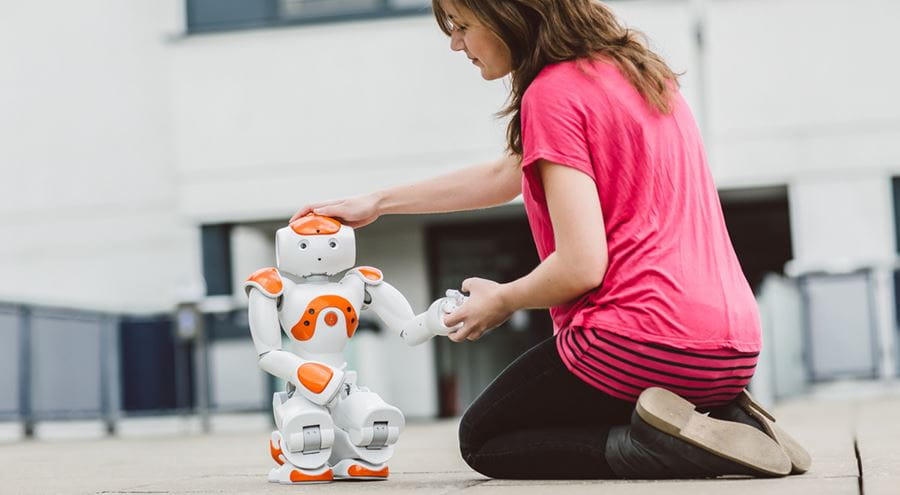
(543, 32)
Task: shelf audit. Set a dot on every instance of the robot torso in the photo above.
(320, 317)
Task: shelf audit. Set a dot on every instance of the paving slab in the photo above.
(826, 429)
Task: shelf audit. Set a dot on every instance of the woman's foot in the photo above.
(747, 411)
(668, 438)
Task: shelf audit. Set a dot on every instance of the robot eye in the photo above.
(332, 244)
(303, 245)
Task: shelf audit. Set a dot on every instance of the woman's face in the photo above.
(484, 48)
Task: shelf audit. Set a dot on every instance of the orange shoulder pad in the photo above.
(370, 275)
(266, 280)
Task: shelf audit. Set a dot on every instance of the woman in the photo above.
(652, 315)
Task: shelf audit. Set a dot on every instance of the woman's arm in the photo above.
(479, 186)
(577, 266)
(580, 260)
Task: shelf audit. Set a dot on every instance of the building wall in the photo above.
(793, 101)
(88, 203)
(128, 135)
(269, 120)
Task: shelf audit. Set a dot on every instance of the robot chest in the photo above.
(329, 316)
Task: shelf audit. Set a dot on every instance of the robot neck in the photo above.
(317, 279)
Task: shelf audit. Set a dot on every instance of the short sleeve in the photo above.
(553, 126)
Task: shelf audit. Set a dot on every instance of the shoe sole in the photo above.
(799, 457)
(736, 442)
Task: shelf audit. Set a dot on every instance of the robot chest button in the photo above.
(331, 319)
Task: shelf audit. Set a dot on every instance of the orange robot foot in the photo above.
(275, 448)
(357, 469)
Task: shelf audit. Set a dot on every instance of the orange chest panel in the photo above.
(305, 327)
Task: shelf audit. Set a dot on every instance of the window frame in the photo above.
(383, 10)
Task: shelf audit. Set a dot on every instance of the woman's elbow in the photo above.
(589, 275)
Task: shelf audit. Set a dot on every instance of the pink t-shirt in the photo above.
(673, 277)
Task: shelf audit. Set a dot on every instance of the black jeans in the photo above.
(539, 421)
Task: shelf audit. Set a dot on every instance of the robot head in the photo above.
(315, 245)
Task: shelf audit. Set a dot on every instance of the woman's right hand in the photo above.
(355, 212)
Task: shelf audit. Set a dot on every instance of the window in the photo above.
(219, 15)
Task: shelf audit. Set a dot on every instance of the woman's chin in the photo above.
(490, 75)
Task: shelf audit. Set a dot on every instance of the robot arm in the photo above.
(393, 308)
(317, 381)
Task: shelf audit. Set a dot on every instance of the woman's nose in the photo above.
(456, 42)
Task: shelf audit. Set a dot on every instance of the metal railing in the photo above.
(60, 364)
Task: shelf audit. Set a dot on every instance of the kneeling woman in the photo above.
(652, 314)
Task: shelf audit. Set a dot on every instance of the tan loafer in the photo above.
(737, 442)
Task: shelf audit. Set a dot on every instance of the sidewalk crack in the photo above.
(858, 465)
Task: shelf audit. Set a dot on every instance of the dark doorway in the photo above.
(498, 249)
(151, 358)
(759, 224)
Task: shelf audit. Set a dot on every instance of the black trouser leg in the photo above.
(539, 421)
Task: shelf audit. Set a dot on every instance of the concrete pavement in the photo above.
(855, 444)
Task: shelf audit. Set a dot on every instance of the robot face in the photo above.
(315, 245)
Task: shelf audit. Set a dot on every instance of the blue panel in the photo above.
(65, 366)
(9, 362)
(148, 354)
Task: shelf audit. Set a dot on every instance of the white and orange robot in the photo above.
(328, 427)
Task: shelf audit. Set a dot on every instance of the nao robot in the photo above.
(328, 427)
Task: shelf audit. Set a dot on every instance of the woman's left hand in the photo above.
(484, 310)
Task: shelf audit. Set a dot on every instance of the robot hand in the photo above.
(431, 322)
(444, 306)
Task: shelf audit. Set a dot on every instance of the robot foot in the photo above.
(292, 475)
(358, 469)
(275, 448)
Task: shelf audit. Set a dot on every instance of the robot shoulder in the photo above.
(266, 280)
(369, 275)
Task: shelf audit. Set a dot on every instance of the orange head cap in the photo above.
(312, 224)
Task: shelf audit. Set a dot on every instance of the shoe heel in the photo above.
(801, 461)
(664, 410)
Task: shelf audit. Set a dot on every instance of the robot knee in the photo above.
(305, 427)
(369, 421)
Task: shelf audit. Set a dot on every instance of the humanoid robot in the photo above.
(328, 427)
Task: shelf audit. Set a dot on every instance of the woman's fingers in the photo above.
(328, 209)
(459, 335)
(300, 213)
(307, 209)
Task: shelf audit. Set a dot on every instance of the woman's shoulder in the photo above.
(575, 78)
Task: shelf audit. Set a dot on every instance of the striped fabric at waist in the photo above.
(623, 367)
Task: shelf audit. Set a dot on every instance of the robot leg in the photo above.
(302, 443)
(366, 430)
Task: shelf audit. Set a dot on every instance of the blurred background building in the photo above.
(150, 149)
